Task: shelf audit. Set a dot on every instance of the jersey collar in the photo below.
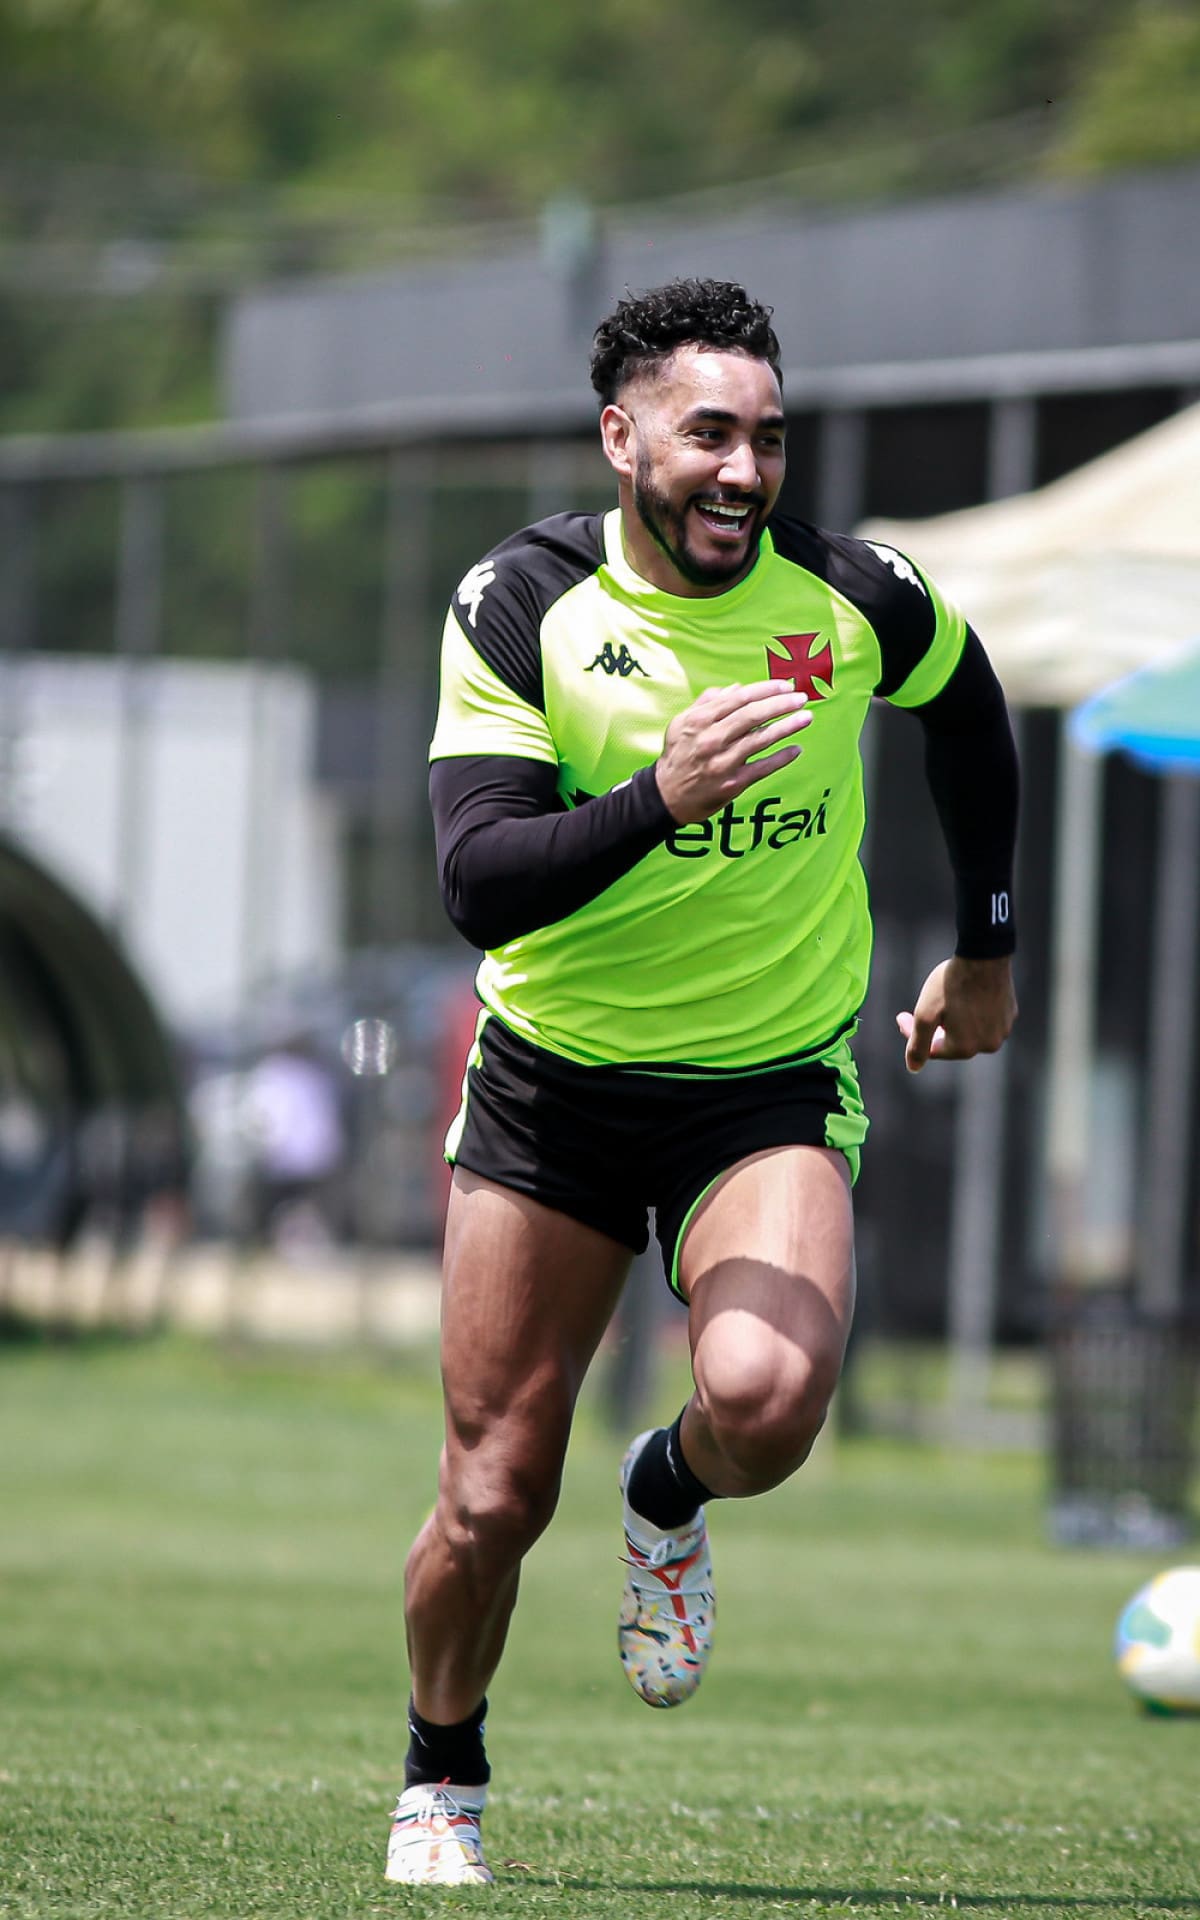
(633, 587)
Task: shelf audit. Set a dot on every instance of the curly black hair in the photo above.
(646, 328)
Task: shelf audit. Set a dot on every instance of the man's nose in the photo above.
(739, 467)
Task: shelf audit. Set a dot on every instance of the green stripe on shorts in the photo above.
(848, 1129)
(474, 1059)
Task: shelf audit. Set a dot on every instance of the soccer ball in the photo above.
(1158, 1642)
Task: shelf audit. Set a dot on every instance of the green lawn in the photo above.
(912, 1705)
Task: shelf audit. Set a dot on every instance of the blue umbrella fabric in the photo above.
(1153, 715)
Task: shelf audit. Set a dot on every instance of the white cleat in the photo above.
(668, 1606)
(435, 1839)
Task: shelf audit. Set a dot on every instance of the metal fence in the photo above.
(328, 548)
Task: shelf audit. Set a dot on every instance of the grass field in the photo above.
(911, 1708)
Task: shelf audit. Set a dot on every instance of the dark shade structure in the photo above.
(92, 1119)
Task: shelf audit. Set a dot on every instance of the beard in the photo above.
(668, 528)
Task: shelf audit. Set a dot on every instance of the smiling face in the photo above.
(697, 444)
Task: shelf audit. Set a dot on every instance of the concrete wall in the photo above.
(1041, 270)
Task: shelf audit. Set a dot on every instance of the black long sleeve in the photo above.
(971, 765)
(512, 856)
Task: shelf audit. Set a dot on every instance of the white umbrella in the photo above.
(1083, 580)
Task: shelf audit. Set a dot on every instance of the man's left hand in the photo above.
(965, 1007)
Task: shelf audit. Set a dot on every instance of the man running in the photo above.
(648, 797)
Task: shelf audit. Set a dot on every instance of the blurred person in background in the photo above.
(293, 1127)
(648, 797)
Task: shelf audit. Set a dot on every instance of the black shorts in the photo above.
(605, 1144)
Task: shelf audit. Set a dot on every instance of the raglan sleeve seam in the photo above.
(480, 710)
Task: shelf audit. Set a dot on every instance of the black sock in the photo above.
(437, 1753)
(662, 1487)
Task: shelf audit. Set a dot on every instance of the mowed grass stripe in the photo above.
(912, 1704)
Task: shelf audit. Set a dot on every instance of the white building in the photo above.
(179, 800)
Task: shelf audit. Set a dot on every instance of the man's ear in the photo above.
(617, 433)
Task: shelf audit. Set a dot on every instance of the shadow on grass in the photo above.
(19, 1329)
(1007, 1903)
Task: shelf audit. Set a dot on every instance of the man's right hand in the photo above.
(706, 757)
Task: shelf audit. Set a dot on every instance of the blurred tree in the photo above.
(141, 115)
(1138, 102)
(154, 154)
(69, 361)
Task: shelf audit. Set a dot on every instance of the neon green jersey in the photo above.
(747, 938)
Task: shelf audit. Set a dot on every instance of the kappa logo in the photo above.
(902, 568)
(802, 665)
(622, 663)
(473, 586)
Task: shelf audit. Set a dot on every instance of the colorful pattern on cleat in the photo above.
(435, 1839)
(668, 1606)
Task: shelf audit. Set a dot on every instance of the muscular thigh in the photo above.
(527, 1293)
(767, 1265)
(812, 1101)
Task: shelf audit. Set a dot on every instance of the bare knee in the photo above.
(765, 1406)
(491, 1510)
